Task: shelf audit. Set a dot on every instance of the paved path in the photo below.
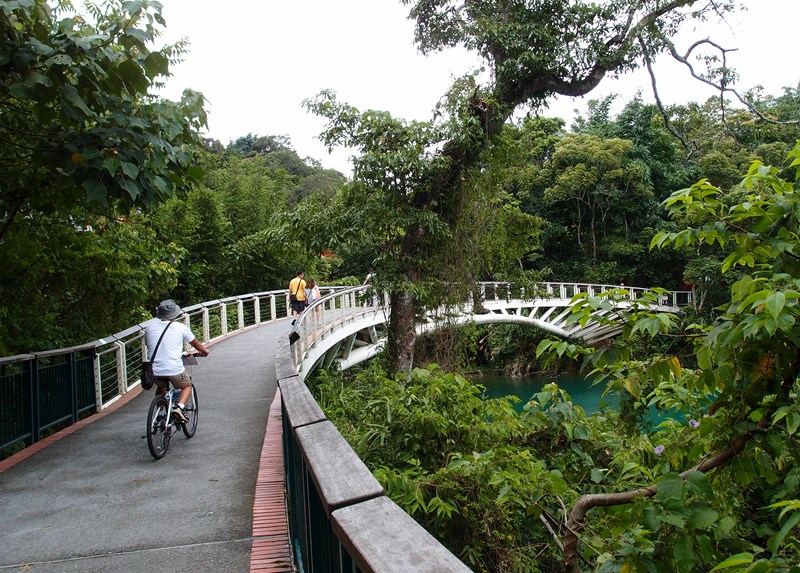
(95, 500)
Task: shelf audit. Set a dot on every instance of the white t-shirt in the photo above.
(169, 360)
(312, 294)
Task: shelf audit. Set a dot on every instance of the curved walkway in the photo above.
(94, 499)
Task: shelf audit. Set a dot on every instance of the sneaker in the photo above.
(179, 412)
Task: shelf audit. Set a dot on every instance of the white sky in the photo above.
(257, 60)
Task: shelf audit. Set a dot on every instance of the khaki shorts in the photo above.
(179, 381)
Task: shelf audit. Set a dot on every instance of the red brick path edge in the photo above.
(271, 550)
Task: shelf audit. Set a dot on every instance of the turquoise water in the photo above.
(581, 391)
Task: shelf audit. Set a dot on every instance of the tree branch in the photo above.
(576, 520)
(722, 85)
(621, 43)
(667, 123)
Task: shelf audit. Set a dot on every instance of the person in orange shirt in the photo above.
(297, 293)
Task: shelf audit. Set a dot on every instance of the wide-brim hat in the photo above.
(168, 310)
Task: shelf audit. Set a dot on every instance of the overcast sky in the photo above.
(257, 60)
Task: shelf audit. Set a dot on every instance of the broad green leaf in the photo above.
(792, 422)
(699, 484)
(684, 554)
(793, 520)
(670, 486)
(72, 96)
(96, 191)
(651, 518)
(775, 303)
(702, 518)
(111, 164)
(734, 560)
(130, 170)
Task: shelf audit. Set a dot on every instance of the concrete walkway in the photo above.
(95, 500)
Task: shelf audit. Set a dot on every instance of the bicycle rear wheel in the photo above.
(158, 431)
(192, 411)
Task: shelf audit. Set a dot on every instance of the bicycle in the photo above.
(160, 421)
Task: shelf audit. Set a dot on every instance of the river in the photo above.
(583, 393)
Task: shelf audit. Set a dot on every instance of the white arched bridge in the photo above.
(349, 326)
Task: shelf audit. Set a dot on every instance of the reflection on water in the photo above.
(581, 391)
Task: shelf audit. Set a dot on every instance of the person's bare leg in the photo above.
(186, 393)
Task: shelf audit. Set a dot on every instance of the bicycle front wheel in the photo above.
(158, 431)
(192, 411)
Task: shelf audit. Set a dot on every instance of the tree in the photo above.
(85, 148)
(596, 182)
(534, 50)
(51, 295)
(737, 374)
(78, 122)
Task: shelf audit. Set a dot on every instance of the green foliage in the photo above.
(474, 472)
(85, 143)
(51, 297)
(238, 229)
(737, 373)
(81, 126)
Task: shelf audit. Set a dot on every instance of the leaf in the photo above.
(96, 191)
(734, 560)
(684, 554)
(670, 486)
(111, 164)
(72, 96)
(792, 422)
(651, 518)
(674, 364)
(633, 387)
(702, 518)
(776, 541)
(130, 170)
(775, 303)
(699, 484)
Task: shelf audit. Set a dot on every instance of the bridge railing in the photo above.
(330, 313)
(499, 291)
(340, 519)
(43, 392)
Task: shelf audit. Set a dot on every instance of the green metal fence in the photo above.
(43, 393)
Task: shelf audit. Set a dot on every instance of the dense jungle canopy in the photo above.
(112, 200)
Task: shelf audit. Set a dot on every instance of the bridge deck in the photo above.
(96, 500)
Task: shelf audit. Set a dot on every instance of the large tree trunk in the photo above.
(402, 331)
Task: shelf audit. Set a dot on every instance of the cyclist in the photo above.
(168, 363)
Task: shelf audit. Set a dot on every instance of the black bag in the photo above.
(293, 295)
(148, 379)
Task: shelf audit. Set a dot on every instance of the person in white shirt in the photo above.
(168, 363)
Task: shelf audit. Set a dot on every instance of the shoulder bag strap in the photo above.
(160, 338)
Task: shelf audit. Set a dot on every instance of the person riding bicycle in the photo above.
(168, 364)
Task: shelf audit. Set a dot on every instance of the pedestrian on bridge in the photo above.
(312, 294)
(297, 293)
